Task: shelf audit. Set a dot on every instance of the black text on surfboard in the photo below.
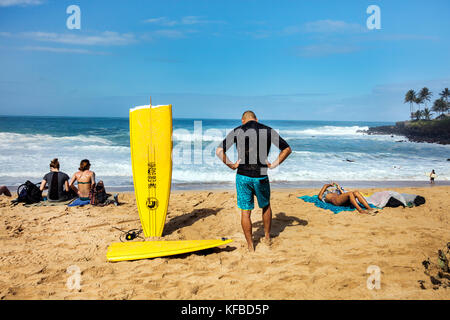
(151, 175)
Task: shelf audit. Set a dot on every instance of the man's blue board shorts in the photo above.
(248, 187)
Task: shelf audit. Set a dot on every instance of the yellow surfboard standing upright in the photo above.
(151, 160)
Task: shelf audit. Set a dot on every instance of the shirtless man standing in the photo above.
(85, 179)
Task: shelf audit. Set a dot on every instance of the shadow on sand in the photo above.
(280, 222)
(203, 253)
(188, 219)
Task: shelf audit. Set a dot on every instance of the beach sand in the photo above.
(315, 254)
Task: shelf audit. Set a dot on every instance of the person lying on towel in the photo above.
(339, 197)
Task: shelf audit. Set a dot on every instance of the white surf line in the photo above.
(146, 107)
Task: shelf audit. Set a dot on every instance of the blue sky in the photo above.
(311, 60)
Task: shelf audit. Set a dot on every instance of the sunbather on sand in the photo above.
(339, 197)
(85, 179)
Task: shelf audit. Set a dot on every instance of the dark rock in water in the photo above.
(348, 160)
(448, 159)
(432, 131)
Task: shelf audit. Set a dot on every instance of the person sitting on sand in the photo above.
(4, 190)
(57, 181)
(85, 179)
(339, 197)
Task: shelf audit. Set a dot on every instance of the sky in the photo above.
(303, 60)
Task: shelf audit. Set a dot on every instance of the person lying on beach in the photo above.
(85, 179)
(57, 181)
(4, 190)
(339, 197)
(253, 141)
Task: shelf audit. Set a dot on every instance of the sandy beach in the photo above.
(315, 254)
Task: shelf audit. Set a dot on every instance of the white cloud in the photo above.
(332, 26)
(162, 21)
(11, 3)
(321, 50)
(104, 38)
(63, 50)
(168, 33)
(314, 27)
(187, 20)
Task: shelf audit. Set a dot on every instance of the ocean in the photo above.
(322, 151)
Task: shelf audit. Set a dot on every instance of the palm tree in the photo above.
(424, 96)
(418, 115)
(445, 94)
(427, 114)
(440, 106)
(410, 98)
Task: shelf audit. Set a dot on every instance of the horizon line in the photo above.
(185, 118)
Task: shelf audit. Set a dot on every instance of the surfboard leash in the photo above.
(130, 234)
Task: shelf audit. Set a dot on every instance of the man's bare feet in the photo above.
(266, 241)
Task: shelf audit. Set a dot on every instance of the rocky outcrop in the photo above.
(434, 131)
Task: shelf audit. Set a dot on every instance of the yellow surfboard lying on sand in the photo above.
(151, 159)
(122, 251)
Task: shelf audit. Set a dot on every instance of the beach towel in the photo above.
(79, 202)
(327, 206)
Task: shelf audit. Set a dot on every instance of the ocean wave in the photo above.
(191, 137)
(326, 131)
(352, 156)
(20, 139)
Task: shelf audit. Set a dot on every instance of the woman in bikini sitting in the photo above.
(85, 179)
(339, 197)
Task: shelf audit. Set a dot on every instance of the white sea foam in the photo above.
(326, 131)
(27, 156)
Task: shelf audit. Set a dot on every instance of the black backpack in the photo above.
(98, 195)
(29, 193)
(419, 200)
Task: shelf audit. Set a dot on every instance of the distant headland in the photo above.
(421, 127)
